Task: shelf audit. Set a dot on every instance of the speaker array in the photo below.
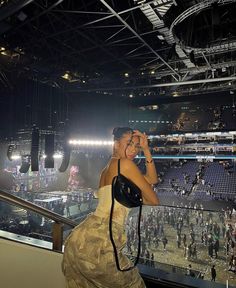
(10, 151)
(66, 150)
(66, 158)
(35, 150)
(33, 158)
(25, 164)
(49, 151)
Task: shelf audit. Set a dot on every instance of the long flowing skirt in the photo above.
(89, 262)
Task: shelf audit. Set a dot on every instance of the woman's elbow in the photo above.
(155, 181)
(151, 202)
(156, 202)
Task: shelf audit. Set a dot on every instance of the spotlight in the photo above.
(15, 157)
(66, 76)
(57, 156)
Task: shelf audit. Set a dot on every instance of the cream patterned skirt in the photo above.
(89, 262)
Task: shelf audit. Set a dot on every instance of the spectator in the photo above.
(213, 273)
(164, 241)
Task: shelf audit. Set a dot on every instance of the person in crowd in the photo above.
(213, 273)
(190, 271)
(88, 259)
(152, 260)
(164, 242)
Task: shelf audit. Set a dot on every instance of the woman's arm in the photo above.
(151, 174)
(131, 171)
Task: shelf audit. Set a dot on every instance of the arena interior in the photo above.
(71, 71)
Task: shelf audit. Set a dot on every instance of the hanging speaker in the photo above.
(49, 150)
(66, 149)
(9, 151)
(66, 158)
(25, 164)
(35, 150)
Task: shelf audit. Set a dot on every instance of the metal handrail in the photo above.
(14, 200)
(59, 221)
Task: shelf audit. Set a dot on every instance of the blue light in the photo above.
(217, 157)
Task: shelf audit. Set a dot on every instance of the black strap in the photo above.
(110, 229)
(118, 166)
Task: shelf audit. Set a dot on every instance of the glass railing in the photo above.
(172, 238)
(25, 221)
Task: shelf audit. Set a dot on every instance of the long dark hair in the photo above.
(118, 132)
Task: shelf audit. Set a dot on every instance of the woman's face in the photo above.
(129, 146)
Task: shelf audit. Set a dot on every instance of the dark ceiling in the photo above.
(140, 48)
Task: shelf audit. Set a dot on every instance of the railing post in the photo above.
(57, 236)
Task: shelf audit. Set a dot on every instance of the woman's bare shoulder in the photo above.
(127, 164)
(102, 177)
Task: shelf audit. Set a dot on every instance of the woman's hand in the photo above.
(143, 139)
(151, 174)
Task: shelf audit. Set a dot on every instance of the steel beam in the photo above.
(138, 36)
(180, 83)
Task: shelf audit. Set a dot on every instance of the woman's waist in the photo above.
(118, 216)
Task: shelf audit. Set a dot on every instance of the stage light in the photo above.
(90, 142)
(66, 76)
(57, 156)
(160, 37)
(4, 53)
(175, 94)
(126, 74)
(15, 157)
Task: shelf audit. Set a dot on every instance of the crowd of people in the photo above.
(194, 232)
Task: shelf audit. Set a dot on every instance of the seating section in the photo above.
(206, 181)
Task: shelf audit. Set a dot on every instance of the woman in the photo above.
(88, 259)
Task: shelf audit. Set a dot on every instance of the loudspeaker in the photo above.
(9, 151)
(25, 164)
(66, 149)
(66, 158)
(35, 150)
(49, 150)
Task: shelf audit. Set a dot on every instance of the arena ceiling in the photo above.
(130, 48)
